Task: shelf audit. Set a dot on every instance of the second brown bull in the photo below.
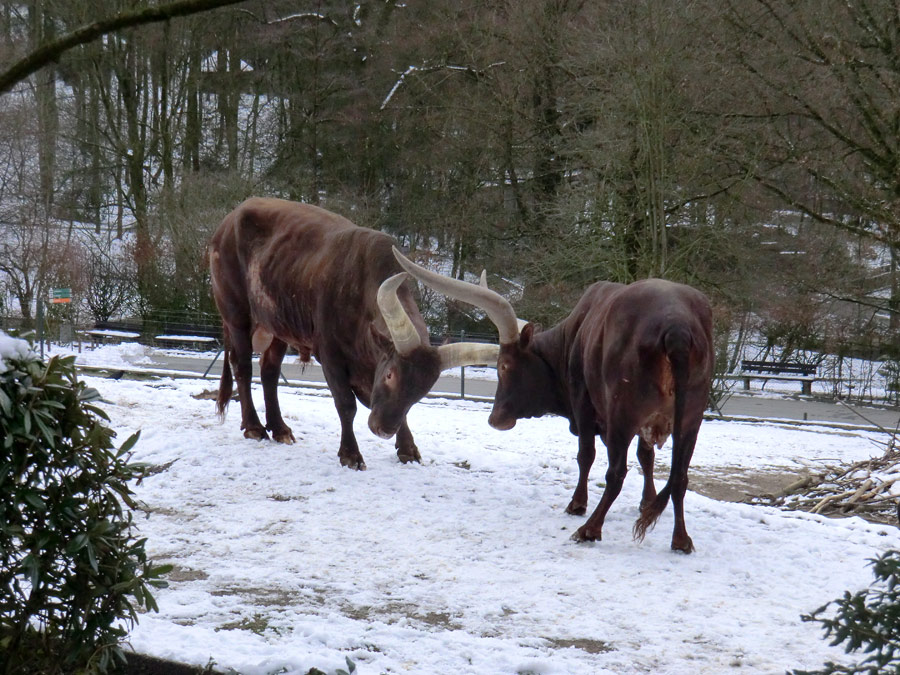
(629, 360)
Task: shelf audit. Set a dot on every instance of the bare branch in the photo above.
(430, 69)
(51, 51)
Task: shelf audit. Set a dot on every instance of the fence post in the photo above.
(40, 324)
(211, 363)
(462, 370)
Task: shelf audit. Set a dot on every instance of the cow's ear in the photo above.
(526, 334)
(376, 336)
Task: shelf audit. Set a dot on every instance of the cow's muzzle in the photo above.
(380, 429)
(500, 422)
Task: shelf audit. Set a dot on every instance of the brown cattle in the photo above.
(630, 360)
(288, 274)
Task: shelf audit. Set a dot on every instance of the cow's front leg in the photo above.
(406, 447)
(617, 450)
(345, 401)
(269, 372)
(348, 453)
(585, 425)
(586, 453)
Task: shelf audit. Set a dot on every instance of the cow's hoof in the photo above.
(256, 434)
(285, 437)
(353, 463)
(584, 534)
(407, 456)
(684, 545)
(574, 509)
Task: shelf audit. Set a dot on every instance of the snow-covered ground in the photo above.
(285, 561)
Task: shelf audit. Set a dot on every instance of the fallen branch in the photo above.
(862, 488)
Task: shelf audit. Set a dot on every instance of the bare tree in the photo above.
(825, 85)
(29, 252)
(109, 287)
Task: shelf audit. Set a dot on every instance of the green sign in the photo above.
(60, 295)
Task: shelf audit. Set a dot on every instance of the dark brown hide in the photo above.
(288, 274)
(633, 360)
(628, 361)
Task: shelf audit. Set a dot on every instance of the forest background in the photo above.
(746, 147)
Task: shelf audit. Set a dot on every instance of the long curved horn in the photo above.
(497, 307)
(520, 323)
(468, 354)
(404, 334)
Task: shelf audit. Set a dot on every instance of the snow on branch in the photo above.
(430, 69)
(314, 16)
(304, 15)
(867, 488)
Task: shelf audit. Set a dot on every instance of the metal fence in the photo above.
(201, 324)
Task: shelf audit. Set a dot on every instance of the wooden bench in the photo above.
(804, 373)
(99, 336)
(200, 342)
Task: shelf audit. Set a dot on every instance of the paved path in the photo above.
(764, 406)
(804, 408)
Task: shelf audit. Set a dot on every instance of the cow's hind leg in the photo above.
(241, 356)
(269, 372)
(617, 449)
(646, 457)
(676, 486)
(680, 539)
(406, 447)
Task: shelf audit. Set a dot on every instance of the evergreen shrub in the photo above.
(866, 621)
(73, 575)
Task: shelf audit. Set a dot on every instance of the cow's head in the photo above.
(410, 368)
(520, 372)
(524, 382)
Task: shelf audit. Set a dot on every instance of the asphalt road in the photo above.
(755, 405)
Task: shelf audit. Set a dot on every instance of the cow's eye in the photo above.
(389, 375)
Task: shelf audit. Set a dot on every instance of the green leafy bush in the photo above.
(868, 620)
(72, 573)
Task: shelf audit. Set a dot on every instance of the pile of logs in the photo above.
(864, 489)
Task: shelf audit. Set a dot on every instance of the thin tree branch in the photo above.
(50, 52)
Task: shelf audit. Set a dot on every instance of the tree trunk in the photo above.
(43, 30)
(165, 113)
(132, 80)
(894, 300)
(193, 123)
(232, 96)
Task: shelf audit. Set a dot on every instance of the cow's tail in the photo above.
(226, 385)
(677, 346)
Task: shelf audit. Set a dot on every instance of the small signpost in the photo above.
(57, 296)
(60, 295)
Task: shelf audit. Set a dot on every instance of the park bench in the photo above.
(181, 333)
(199, 342)
(109, 333)
(169, 334)
(804, 373)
